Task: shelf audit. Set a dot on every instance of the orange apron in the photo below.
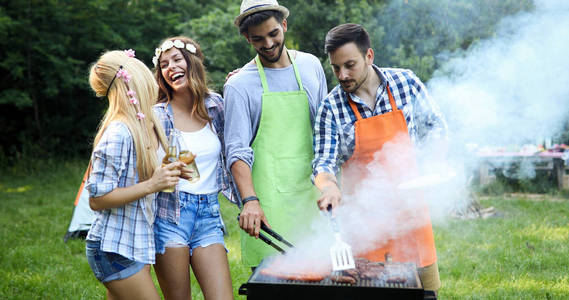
(371, 135)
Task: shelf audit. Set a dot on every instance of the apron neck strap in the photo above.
(391, 99)
(264, 77)
(355, 108)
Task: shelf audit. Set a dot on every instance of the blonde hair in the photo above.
(197, 78)
(121, 109)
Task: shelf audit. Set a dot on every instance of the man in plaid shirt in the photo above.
(370, 108)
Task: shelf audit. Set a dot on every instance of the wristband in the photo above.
(250, 198)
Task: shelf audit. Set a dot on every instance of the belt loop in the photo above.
(211, 198)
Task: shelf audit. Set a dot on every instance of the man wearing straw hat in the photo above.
(270, 107)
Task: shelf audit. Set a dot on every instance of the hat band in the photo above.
(250, 8)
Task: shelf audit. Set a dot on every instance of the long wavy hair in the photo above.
(197, 78)
(121, 109)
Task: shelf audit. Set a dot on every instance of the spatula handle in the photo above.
(335, 226)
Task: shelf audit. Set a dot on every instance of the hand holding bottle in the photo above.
(171, 157)
(189, 159)
(166, 177)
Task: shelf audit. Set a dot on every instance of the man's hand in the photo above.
(251, 217)
(331, 195)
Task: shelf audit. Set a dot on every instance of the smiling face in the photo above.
(174, 68)
(268, 39)
(350, 66)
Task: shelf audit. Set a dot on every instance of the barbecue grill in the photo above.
(261, 286)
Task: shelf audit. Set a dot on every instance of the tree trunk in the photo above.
(31, 81)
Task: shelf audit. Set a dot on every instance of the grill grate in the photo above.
(410, 283)
(261, 286)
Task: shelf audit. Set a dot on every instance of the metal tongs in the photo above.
(272, 233)
(340, 252)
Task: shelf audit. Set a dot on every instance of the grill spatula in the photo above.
(340, 252)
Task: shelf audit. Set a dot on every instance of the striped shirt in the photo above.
(334, 128)
(168, 203)
(126, 230)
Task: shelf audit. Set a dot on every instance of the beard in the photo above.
(356, 84)
(276, 58)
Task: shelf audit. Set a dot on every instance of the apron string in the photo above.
(264, 77)
(391, 99)
(262, 74)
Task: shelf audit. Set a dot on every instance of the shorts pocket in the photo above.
(118, 262)
(94, 259)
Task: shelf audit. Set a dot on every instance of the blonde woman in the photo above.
(189, 229)
(125, 176)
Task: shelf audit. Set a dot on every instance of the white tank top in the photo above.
(205, 144)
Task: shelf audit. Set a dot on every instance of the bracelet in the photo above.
(250, 198)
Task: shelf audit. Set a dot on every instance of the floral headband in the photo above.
(167, 45)
(125, 76)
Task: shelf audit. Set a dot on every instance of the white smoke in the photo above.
(509, 90)
(514, 88)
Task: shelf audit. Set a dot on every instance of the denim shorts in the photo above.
(200, 224)
(109, 266)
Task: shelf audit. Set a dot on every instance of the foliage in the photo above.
(46, 48)
(45, 98)
(564, 134)
(543, 183)
(222, 54)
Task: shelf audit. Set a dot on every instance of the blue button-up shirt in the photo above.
(126, 230)
(168, 203)
(334, 128)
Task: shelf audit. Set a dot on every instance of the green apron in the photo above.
(282, 167)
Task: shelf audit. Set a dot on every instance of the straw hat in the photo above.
(249, 7)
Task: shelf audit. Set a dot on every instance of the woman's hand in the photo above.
(188, 173)
(166, 176)
(163, 177)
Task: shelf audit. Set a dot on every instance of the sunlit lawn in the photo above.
(522, 255)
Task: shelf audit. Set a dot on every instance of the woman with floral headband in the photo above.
(189, 228)
(125, 176)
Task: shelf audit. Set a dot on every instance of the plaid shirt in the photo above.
(126, 230)
(168, 203)
(334, 128)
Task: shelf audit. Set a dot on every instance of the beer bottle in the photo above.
(171, 156)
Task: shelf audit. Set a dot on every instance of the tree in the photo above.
(46, 48)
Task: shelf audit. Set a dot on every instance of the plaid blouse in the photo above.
(334, 128)
(168, 203)
(126, 230)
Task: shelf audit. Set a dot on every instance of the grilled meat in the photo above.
(305, 276)
(339, 278)
(392, 273)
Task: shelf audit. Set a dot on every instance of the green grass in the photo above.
(522, 255)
